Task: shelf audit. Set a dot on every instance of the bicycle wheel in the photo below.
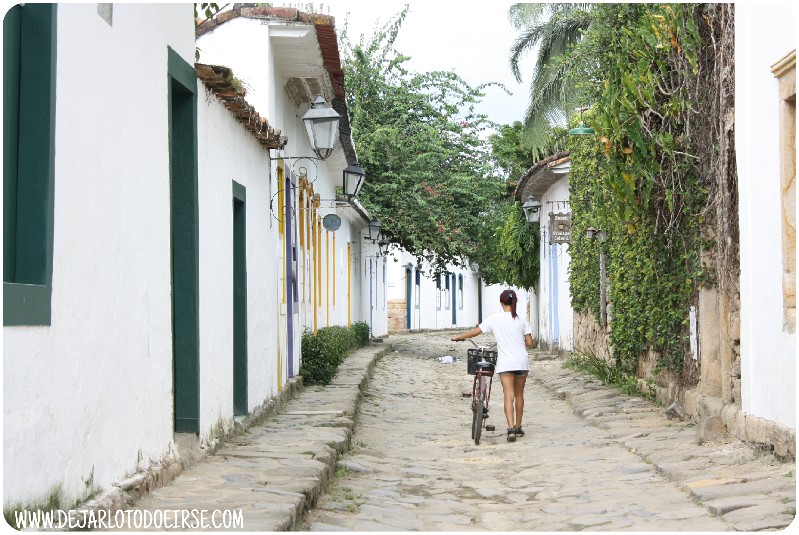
(477, 417)
(477, 422)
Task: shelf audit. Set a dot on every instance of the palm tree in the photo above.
(552, 29)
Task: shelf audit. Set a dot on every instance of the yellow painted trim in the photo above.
(349, 284)
(327, 278)
(279, 365)
(281, 205)
(302, 219)
(319, 263)
(334, 271)
(315, 277)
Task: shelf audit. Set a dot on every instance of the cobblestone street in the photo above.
(592, 459)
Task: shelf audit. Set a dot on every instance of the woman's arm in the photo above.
(528, 340)
(471, 333)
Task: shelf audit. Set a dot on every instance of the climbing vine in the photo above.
(642, 177)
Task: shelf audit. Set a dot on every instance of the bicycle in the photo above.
(481, 363)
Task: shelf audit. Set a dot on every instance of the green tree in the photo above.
(649, 174)
(551, 29)
(511, 156)
(430, 179)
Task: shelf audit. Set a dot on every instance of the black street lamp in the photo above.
(322, 126)
(353, 177)
(532, 210)
(374, 229)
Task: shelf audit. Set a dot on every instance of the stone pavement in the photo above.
(744, 486)
(275, 471)
(592, 459)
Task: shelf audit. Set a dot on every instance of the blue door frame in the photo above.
(454, 301)
(408, 296)
(289, 275)
(553, 294)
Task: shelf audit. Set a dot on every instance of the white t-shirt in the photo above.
(509, 333)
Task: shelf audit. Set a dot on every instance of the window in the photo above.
(460, 292)
(29, 59)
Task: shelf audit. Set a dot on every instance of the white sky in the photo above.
(473, 39)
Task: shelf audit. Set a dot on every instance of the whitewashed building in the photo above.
(164, 247)
(286, 59)
(87, 292)
(551, 313)
(765, 136)
(420, 299)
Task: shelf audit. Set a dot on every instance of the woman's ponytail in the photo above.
(508, 298)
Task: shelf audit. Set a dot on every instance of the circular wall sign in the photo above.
(331, 222)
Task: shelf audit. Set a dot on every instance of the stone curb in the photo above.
(160, 474)
(317, 421)
(723, 477)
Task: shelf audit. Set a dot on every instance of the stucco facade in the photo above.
(188, 253)
(551, 316)
(456, 299)
(768, 339)
(89, 395)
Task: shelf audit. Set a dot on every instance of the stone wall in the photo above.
(717, 394)
(397, 310)
(590, 338)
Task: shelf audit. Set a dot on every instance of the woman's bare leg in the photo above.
(518, 393)
(508, 388)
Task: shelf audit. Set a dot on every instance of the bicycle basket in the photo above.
(475, 355)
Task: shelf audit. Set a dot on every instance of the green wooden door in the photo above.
(185, 244)
(239, 300)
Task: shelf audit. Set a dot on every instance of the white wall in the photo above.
(373, 269)
(553, 290)
(434, 310)
(768, 355)
(491, 304)
(228, 152)
(90, 393)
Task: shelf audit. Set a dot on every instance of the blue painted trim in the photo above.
(289, 275)
(454, 301)
(408, 296)
(553, 290)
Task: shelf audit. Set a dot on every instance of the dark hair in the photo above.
(508, 297)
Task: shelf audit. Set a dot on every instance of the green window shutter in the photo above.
(11, 59)
(29, 61)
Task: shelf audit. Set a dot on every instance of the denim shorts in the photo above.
(515, 372)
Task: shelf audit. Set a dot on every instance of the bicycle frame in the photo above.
(481, 392)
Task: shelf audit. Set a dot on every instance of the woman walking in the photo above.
(513, 336)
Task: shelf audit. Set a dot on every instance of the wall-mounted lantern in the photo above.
(532, 210)
(374, 229)
(353, 177)
(321, 124)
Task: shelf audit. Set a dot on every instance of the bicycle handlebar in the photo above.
(492, 346)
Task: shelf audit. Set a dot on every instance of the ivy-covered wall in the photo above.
(642, 179)
(651, 284)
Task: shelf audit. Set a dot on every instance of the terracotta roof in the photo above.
(538, 178)
(219, 80)
(325, 27)
(253, 11)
